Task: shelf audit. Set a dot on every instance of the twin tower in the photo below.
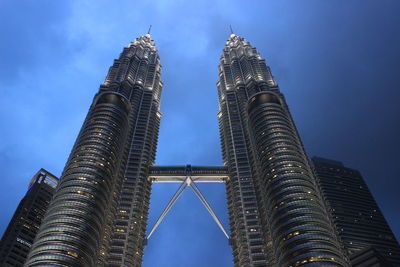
(99, 212)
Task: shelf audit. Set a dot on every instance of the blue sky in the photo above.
(337, 62)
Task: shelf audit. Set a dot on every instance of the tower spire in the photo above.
(148, 32)
(230, 27)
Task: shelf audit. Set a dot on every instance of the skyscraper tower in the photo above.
(277, 215)
(99, 211)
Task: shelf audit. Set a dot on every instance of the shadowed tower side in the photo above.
(99, 211)
(277, 216)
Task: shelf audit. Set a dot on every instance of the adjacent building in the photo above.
(24, 225)
(368, 257)
(357, 217)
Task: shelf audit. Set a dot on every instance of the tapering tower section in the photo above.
(99, 210)
(137, 75)
(277, 215)
(242, 73)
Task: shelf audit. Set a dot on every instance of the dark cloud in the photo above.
(336, 62)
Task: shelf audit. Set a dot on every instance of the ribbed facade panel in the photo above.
(299, 223)
(246, 232)
(72, 230)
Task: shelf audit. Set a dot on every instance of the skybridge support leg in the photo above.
(203, 200)
(174, 198)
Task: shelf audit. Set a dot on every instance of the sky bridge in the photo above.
(188, 176)
(179, 173)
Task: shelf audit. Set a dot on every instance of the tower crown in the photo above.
(241, 64)
(145, 41)
(236, 41)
